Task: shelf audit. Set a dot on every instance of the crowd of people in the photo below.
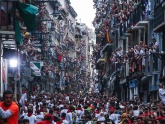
(57, 108)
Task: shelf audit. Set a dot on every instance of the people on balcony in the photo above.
(142, 45)
(155, 51)
(6, 16)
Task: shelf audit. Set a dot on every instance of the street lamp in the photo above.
(13, 63)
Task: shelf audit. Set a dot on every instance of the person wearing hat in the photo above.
(155, 49)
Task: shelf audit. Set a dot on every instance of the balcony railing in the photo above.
(159, 15)
(134, 17)
(6, 20)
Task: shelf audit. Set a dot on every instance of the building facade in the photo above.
(130, 60)
(51, 51)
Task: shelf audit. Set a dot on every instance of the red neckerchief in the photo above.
(58, 122)
(97, 111)
(112, 109)
(29, 114)
(69, 111)
(41, 110)
(151, 113)
(63, 118)
(79, 109)
(129, 122)
(159, 118)
(146, 114)
(48, 122)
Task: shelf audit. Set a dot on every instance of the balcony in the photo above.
(100, 63)
(63, 13)
(107, 48)
(159, 17)
(135, 19)
(72, 11)
(6, 18)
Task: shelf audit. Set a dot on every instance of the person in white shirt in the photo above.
(60, 105)
(63, 117)
(162, 93)
(50, 105)
(64, 109)
(23, 98)
(67, 98)
(33, 97)
(69, 115)
(47, 100)
(78, 113)
(23, 112)
(136, 111)
(39, 116)
(101, 117)
(113, 117)
(155, 49)
(30, 117)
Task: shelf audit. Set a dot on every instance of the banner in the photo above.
(36, 68)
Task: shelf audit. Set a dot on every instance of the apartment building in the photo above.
(48, 51)
(133, 26)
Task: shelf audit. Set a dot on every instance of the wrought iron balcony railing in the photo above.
(159, 15)
(135, 16)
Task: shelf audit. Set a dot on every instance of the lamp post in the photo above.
(14, 64)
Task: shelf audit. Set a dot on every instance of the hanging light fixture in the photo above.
(56, 10)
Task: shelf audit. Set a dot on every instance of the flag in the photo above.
(108, 37)
(18, 33)
(28, 14)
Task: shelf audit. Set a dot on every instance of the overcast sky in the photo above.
(85, 11)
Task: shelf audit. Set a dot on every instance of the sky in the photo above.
(85, 11)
